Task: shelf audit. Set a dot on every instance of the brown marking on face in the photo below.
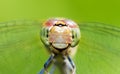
(62, 33)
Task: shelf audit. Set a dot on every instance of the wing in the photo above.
(99, 49)
(21, 51)
(20, 47)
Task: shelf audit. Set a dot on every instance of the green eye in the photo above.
(75, 36)
(44, 36)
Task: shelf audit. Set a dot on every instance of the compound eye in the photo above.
(44, 35)
(75, 36)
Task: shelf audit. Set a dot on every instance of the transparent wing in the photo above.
(21, 51)
(20, 47)
(99, 49)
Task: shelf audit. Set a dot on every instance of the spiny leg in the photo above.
(72, 64)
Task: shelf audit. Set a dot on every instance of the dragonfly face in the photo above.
(60, 37)
(60, 34)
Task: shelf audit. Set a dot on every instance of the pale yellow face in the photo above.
(60, 36)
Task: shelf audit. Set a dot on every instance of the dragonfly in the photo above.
(22, 51)
(61, 37)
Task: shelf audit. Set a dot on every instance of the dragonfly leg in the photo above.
(46, 65)
(43, 71)
(52, 69)
(72, 64)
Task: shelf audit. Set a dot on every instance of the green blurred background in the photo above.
(21, 61)
(106, 11)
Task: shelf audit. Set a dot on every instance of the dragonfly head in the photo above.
(60, 33)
